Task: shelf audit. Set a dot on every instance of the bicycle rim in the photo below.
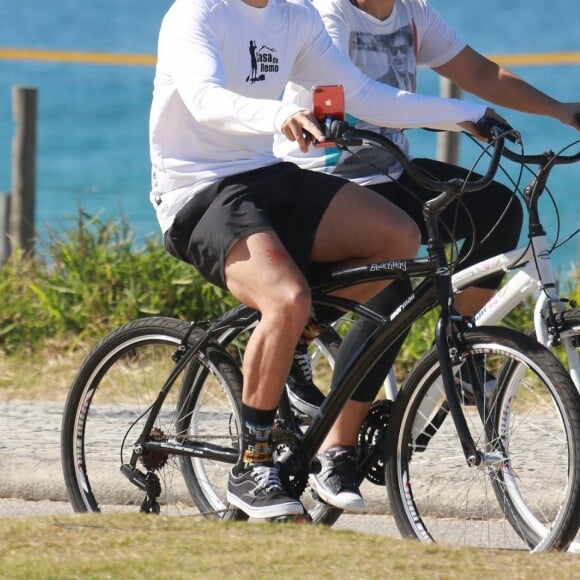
(105, 414)
(525, 494)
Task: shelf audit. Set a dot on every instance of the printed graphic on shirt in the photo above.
(262, 62)
(387, 58)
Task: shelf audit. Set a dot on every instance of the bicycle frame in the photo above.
(435, 288)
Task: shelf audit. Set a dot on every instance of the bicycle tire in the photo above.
(108, 399)
(210, 412)
(436, 497)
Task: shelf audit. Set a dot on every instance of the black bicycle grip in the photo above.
(491, 128)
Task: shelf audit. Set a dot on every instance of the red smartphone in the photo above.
(328, 106)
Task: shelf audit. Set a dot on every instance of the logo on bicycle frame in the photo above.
(390, 265)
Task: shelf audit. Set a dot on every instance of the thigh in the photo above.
(261, 273)
(360, 223)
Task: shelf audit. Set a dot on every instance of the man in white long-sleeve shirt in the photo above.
(249, 223)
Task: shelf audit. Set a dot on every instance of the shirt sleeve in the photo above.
(335, 22)
(438, 43)
(190, 54)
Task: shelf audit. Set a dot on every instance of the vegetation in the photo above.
(92, 278)
(139, 546)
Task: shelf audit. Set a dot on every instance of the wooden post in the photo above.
(22, 227)
(4, 225)
(448, 143)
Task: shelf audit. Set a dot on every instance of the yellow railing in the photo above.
(552, 58)
(75, 56)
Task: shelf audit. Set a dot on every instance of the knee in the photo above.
(408, 236)
(292, 307)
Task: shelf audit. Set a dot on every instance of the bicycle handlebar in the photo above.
(344, 135)
(542, 158)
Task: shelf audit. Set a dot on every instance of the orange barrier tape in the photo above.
(80, 57)
(555, 58)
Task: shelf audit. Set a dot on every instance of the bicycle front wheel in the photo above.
(108, 405)
(568, 349)
(525, 492)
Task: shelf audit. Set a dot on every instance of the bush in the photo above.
(93, 279)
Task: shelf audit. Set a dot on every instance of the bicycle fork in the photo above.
(445, 347)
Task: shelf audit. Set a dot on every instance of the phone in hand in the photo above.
(328, 106)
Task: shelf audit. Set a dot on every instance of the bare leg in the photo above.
(401, 240)
(260, 273)
(346, 428)
(471, 300)
(359, 226)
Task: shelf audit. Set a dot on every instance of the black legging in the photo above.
(470, 219)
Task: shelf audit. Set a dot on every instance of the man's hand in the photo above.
(475, 128)
(303, 128)
(569, 114)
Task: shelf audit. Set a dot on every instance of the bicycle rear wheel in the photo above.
(109, 402)
(525, 494)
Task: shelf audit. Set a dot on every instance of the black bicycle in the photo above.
(482, 444)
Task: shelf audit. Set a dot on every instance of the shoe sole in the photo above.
(356, 507)
(277, 511)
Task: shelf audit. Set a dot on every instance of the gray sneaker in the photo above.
(304, 395)
(336, 483)
(259, 493)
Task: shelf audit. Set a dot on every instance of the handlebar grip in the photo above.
(492, 128)
(341, 133)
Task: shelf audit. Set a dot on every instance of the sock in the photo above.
(256, 438)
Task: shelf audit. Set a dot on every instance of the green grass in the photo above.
(139, 546)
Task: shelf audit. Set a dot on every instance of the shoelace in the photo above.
(344, 468)
(267, 478)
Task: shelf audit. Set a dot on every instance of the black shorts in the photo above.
(281, 197)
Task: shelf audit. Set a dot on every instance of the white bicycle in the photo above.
(556, 319)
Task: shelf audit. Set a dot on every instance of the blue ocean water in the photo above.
(92, 131)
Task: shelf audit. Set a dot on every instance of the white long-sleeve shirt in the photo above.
(221, 70)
